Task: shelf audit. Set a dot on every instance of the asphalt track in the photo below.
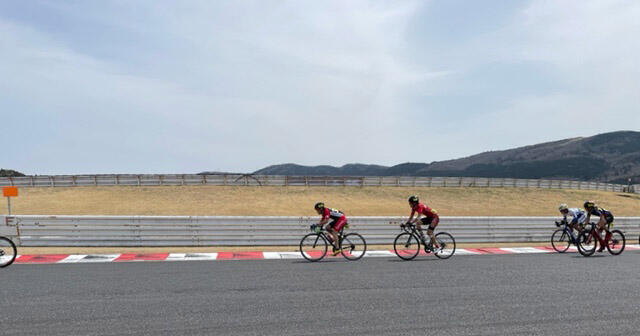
(527, 294)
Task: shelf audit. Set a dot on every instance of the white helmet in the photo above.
(563, 207)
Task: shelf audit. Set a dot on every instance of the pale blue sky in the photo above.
(188, 86)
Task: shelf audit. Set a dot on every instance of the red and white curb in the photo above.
(221, 256)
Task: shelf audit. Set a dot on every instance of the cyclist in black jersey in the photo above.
(605, 219)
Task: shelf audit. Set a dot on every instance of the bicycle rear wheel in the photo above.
(447, 245)
(353, 246)
(8, 252)
(616, 242)
(406, 246)
(560, 241)
(313, 247)
(587, 243)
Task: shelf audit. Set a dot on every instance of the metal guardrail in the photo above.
(235, 231)
(278, 180)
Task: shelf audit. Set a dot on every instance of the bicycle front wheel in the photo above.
(447, 245)
(313, 247)
(616, 243)
(406, 246)
(587, 243)
(8, 252)
(560, 241)
(353, 246)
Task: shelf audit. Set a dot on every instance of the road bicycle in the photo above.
(588, 241)
(407, 243)
(562, 238)
(8, 252)
(314, 245)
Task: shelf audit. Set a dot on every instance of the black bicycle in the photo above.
(8, 252)
(562, 238)
(588, 241)
(314, 246)
(407, 243)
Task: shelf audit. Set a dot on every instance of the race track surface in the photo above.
(528, 294)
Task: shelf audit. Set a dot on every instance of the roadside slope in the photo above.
(298, 201)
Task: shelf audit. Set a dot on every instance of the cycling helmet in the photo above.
(563, 207)
(589, 204)
(319, 205)
(414, 199)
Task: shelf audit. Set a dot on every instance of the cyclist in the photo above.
(606, 219)
(578, 217)
(431, 219)
(338, 221)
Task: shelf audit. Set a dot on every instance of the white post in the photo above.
(9, 205)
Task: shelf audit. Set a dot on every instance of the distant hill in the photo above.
(611, 157)
(10, 173)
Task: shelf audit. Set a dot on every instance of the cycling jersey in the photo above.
(331, 213)
(424, 210)
(608, 216)
(339, 220)
(578, 216)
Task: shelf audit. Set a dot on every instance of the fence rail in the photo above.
(279, 180)
(236, 231)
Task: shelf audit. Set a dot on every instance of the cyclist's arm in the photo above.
(417, 218)
(413, 212)
(323, 221)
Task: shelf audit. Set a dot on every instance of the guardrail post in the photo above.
(32, 183)
(182, 179)
(11, 180)
(138, 179)
(73, 180)
(160, 178)
(51, 179)
(117, 179)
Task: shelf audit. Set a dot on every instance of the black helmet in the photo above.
(414, 199)
(319, 205)
(589, 205)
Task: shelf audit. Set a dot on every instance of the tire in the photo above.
(448, 245)
(406, 246)
(8, 252)
(313, 247)
(353, 246)
(617, 242)
(587, 244)
(560, 241)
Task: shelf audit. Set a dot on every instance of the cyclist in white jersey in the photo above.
(578, 217)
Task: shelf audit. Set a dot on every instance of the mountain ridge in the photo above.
(606, 157)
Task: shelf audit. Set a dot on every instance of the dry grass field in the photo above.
(298, 201)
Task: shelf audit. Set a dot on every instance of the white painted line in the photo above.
(290, 255)
(176, 256)
(524, 250)
(465, 252)
(379, 254)
(72, 258)
(201, 256)
(96, 258)
(271, 255)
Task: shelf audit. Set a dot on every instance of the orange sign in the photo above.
(10, 191)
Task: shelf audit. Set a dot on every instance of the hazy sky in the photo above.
(188, 86)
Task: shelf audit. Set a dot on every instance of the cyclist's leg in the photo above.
(338, 225)
(433, 222)
(600, 228)
(331, 233)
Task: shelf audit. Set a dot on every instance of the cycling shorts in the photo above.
(339, 223)
(431, 221)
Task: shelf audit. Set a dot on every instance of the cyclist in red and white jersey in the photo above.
(338, 221)
(424, 215)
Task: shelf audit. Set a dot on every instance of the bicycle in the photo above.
(314, 245)
(407, 243)
(589, 241)
(561, 239)
(8, 252)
